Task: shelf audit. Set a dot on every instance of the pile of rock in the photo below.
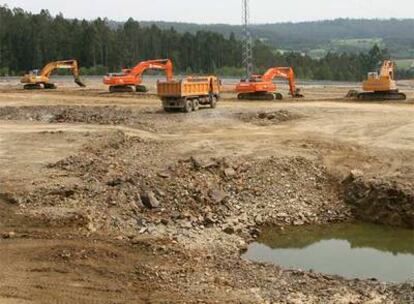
(82, 114)
(380, 200)
(121, 184)
(269, 117)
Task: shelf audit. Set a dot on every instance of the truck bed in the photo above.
(183, 88)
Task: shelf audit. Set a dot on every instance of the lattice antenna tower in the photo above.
(247, 40)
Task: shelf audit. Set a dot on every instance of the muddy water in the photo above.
(349, 250)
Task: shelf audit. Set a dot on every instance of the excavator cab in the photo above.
(373, 75)
(34, 72)
(255, 78)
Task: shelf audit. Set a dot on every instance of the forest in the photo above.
(28, 41)
(351, 35)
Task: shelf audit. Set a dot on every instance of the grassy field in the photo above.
(357, 43)
(346, 45)
(404, 64)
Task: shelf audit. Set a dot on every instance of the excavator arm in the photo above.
(34, 80)
(387, 70)
(130, 78)
(162, 64)
(285, 73)
(65, 64)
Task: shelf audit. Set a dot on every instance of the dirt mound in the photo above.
(150, 119)
(268, 118)
(127, 184)
(82, 114)
(381, 200)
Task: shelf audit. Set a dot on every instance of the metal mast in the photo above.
(247, 41)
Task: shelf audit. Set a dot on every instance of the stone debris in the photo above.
(199, 213)
(149, 200)
(269, 118)
(380, 200)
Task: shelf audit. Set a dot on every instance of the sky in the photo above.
(220, 11)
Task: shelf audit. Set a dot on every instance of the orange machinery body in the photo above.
(190, 93)
(382, 81)
(379, 86)
(35, 79)
(255, 84)
(188, 87)
(262, 87)
(133, 77)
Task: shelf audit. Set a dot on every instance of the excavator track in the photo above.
(141, 89)
(32, 86)
(49, 86)
(121, 89)
(381, 96)
(260, 96)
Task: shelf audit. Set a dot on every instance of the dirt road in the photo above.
(75, 164)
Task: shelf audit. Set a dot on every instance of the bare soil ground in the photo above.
(104, 198)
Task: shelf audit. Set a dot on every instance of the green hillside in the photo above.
(318, 38)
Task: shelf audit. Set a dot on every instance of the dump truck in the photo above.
(38, 80)
(189, 94)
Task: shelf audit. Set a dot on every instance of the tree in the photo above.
(29, 41)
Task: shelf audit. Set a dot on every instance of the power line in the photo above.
(247, 41)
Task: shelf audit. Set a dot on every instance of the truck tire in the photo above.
(196, 105)
(213, 102)
(188, 106)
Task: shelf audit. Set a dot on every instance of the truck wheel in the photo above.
(196, 105)
(188, 106)
(213, 102)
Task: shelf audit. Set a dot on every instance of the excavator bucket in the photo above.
(298, 94)
(79, 82)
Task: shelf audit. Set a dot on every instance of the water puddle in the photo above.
(350, 250)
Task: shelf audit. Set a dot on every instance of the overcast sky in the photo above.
(221, 11)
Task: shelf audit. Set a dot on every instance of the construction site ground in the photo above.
(104, 198)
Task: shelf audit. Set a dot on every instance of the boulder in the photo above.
(149, 200)
(217, 195)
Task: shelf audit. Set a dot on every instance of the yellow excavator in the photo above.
(40, 80)
(379, 86)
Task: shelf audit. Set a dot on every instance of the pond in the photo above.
(352, 250)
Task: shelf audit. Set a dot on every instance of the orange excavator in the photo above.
(379, 86)
(130, 78)
(261, 87)
(38, 80)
